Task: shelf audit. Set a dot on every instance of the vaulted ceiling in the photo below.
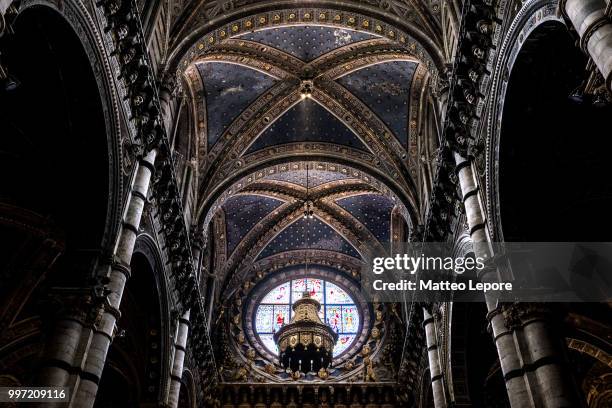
(192, 17)
(306, 107)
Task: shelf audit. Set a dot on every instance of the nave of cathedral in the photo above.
(191, 192)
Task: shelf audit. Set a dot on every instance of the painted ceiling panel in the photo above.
(306, 42)
(385, 88)
(242, 212)
(307, 121)
(373, 211)
(229, 89)
(313, 231)
(315, 177)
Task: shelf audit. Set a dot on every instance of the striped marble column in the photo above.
(593, 24)
(84, 394)
(530, 359)
(435, 368)
(180, 348)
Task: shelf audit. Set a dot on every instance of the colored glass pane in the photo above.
(333, 317)
(337, 310)
(268, 342)
(278, 295)
(333, 294)
(263, 318)
(344, 341)
(350, 319)
(281, 316)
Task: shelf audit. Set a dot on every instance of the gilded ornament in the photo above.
(293, 341)
(369, 374)
(240, 374)
(375, 333)
(310, 340)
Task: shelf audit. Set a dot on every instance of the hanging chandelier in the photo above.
(306, 344)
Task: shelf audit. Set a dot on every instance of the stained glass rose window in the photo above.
(338, 310)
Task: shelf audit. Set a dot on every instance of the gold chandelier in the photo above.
(306, 344)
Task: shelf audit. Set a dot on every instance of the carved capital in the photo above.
(79, 304)
(516, 315)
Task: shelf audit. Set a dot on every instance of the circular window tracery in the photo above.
(338, 310)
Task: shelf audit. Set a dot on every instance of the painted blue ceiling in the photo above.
(315, 177)
(373, 211)
(308, 234)
(229, 89)
(306, 42)
(385, 88)
(242, 212)
(307, 121)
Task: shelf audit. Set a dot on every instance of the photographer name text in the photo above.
(433, 285)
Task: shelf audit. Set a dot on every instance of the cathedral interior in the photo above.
(185, 185)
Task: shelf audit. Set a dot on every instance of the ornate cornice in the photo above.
(239, 16)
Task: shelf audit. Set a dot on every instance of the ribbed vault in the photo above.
(307, 108)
